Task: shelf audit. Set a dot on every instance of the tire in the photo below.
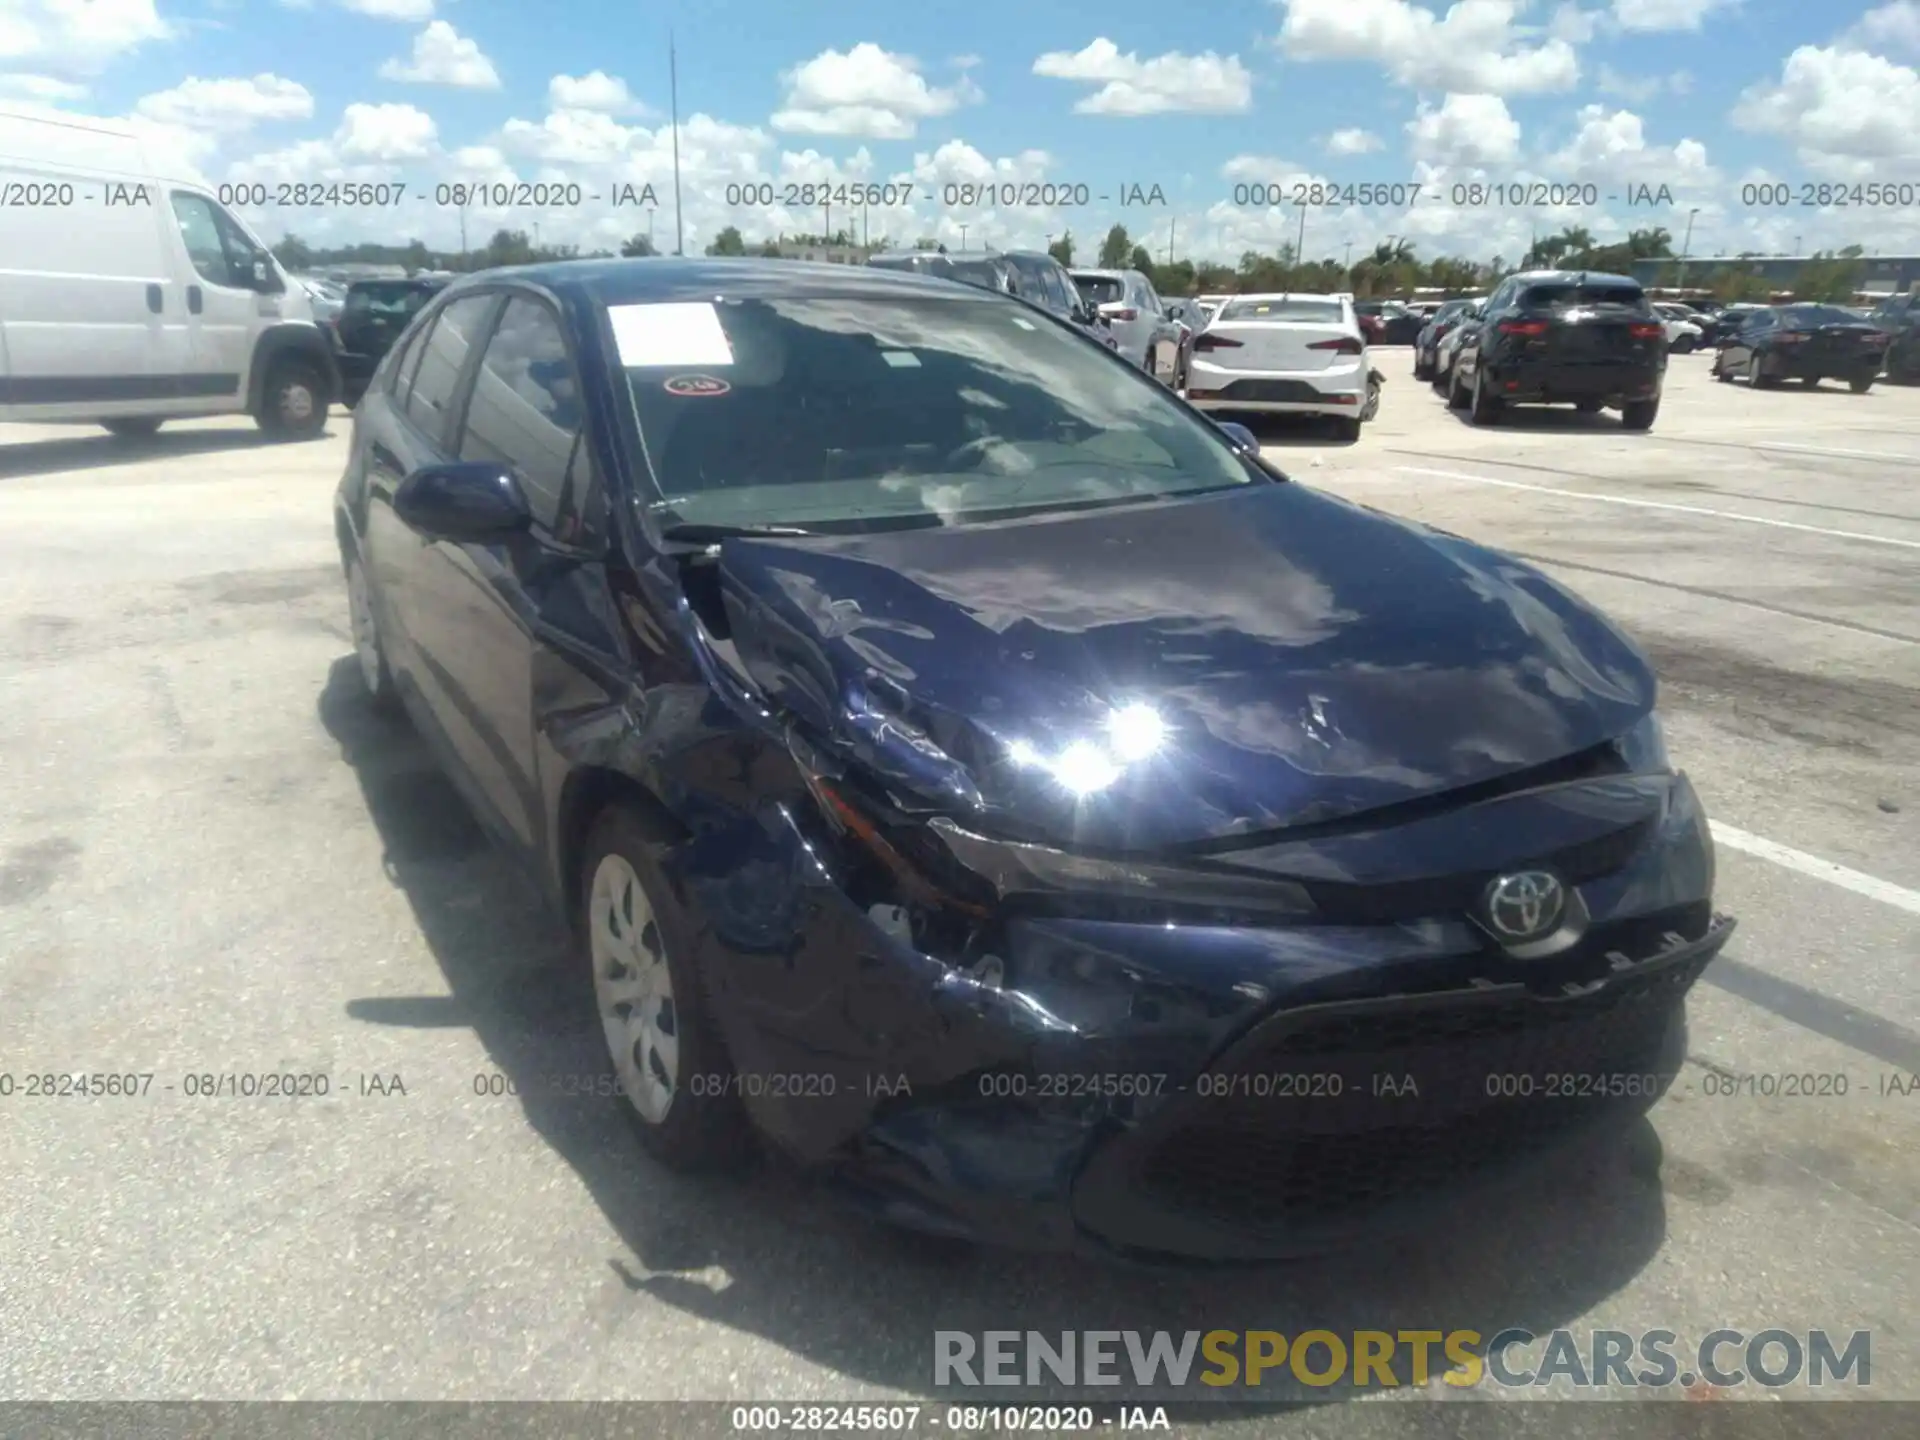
(1346, 429)
(1861, 384)
(1588, 407)
(1456, 397)
(1756, 380)
(1482, 408)
(292, 402)
(138, 427)
(1422, 370)
(1725, 377)
(368, 650)
(1812, 382)
(1638, 414)
(635, 940)
(1684, 345)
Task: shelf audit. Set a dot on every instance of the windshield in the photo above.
(854, 411)
(1804, 316)
(1314, 312)
(394, 299)
(1101, 289)
(1566, 295)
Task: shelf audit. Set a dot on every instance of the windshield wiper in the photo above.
(697, 534)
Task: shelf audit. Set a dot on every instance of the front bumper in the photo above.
(1195, 1093)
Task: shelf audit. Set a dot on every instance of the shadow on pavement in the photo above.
(773, 1255)
(90, 448)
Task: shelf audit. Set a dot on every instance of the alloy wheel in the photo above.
(633, 988)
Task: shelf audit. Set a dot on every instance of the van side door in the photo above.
(224, 304)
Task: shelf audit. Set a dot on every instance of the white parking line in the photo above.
(1860, 883)
(1821, 450)
(1663, 505)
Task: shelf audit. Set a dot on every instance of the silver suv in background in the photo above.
(1138, 317)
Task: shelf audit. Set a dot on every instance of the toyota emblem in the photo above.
(1525, 906)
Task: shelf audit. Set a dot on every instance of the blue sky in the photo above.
(1705, 98)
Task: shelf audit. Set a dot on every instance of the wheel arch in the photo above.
(290, 338)
(588, 793)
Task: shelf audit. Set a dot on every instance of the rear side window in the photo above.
(1100, 289)
(1302, 312)
(1819, 315)
(388, 300)
(526, 411)
(443, 355)
(1567, 296)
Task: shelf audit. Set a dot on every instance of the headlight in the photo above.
(1644, 747)
(1014, 870)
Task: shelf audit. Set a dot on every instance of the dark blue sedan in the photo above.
(974, 773)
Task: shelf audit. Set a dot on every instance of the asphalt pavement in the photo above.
(213, 862)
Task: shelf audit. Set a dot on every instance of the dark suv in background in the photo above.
(372, 317)
(1551, 337)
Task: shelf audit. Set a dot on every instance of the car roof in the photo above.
(1575, 277)
(1101, 274)
(667, 279)
(1289, 295)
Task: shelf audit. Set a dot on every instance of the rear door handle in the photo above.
(194, 299)
(156, 299)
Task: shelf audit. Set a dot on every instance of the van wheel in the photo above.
(668, 1060)
(293, 406)
(140, 427)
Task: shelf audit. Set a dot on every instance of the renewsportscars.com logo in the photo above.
(1219, 1359)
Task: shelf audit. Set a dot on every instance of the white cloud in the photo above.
(443, 56)
(1894, 27)
(1206, 84)
(1611, 147)
(865, 91)
(1841, 109)
(229, 105)
(571, 137)
(1474, 49)
(46, 89)
(1648, 16)
(76, 34)
(595, 90)
(1574, 25)
(386, 134)
(391, 9)
(1465, 130)
(1639, 89)
(1353, 142)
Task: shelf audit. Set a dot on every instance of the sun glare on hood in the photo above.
(1087, 767)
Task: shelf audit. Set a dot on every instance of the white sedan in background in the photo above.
(1283, 355)
(1684, 330)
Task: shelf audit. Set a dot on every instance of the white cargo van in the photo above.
(129, 295)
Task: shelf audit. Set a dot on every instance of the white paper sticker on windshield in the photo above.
(680, 334)
(900, 359)
(1023, 324)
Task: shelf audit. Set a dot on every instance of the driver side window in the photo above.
(219, 249)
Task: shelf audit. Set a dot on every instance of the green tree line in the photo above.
(1393, 268)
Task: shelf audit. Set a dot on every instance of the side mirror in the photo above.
(1240, 437)
(266, 279)
(477, 501)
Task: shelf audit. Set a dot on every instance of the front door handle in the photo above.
(195, 299)
(156, 299)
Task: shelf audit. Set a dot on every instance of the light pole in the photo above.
(963, 237)
(650, 244)
(1686, 248)
(1300, 245)
(673, 86)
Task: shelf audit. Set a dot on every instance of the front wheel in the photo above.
(677, 1087)
(368, 650)
(1861, 384)
(1638, 414)
(293, 404)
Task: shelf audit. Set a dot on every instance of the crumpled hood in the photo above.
(1307, 660)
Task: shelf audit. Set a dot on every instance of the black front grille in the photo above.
(1272, 392)
(1301, 1132)
(1394, 902)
